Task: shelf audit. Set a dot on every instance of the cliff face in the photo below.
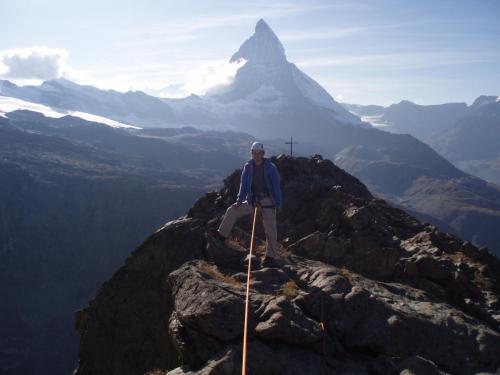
(72, 207)
(363, 288)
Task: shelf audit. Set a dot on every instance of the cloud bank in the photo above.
(33, 63)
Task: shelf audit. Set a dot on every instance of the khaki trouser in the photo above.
(233, 212)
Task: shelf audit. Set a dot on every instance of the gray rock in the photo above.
(283, 320)
(321, 246)
(363, 288)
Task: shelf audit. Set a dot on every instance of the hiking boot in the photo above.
(215, 232)
(269, 262)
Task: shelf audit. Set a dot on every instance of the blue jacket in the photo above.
(272, 177)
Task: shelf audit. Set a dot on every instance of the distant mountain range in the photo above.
(473, 143)
(271, 98)
(134, 108)
(466, 135)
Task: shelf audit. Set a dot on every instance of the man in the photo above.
(259, 185)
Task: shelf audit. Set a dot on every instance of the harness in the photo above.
(257, 199)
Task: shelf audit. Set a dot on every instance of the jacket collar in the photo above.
(264, 161)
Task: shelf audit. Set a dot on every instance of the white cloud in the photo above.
(33, 65)
(211, 76)
(37, 62)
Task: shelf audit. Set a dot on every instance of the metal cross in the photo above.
(291, 143)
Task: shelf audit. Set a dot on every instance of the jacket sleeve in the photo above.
(277, 186)
(243, 185)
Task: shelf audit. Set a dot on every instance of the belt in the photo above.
(263, 195)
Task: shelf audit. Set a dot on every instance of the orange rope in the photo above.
(245, 326)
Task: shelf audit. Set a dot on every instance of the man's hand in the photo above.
(237, 204)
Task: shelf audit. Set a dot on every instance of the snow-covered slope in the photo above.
(9, 104)
(318, 95)
(132, 107)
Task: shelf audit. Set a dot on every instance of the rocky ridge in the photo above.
(363, 288)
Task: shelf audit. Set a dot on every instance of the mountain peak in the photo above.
(6, 83)
(484, 100)
(406, 103)
(262, 27)
(60, 81)
(262, 47)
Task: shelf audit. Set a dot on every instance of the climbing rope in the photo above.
(245, 325)
(323, 332)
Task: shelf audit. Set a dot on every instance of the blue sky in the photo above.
(365, 52)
